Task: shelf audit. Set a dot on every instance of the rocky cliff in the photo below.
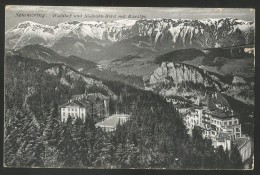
(182, 79)
(176, 76)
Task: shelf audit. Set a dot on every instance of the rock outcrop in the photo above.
(186, 80)
(179, 73)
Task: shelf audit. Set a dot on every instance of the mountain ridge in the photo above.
(156, 34)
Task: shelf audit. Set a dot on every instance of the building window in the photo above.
(68, 109)
(235, 122)
(82, 114)
(225, 123)
(63, 119)
(72, 109)
(75, 109)
(64, 114)
(63, 109)
(68, 113)
(237, 130)
(230, 123)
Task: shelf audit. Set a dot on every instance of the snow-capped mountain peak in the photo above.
(159, 33)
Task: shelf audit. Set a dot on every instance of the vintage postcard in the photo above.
(129, 87)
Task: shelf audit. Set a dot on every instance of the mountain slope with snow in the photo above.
(158, 34)
(26, 32)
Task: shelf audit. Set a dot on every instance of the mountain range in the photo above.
(94, 40)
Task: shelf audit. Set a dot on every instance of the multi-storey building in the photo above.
(83, 105)
(217, 121)
(213, 122)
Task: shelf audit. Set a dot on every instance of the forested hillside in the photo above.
(83, 65)
(155, 136)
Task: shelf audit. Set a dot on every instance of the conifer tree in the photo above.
(235, 158)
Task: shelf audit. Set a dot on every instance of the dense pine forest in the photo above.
(154, 137)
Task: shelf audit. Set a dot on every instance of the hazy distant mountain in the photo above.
(42, 53)
(90, 39)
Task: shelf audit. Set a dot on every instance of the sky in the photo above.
(15, 14)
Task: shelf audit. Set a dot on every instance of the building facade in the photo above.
(218, 123)
(73, 108)
(216, 119)
(83, 105)
(212, 123)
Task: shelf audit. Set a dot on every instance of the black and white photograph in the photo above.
(96, 87)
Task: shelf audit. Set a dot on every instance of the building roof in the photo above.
(222, 136)
(92, 98)
(218, 113)
(84, 102)
(74, 103)
(100, 96)
(241, 141)
(180, 98)
(112, 121)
